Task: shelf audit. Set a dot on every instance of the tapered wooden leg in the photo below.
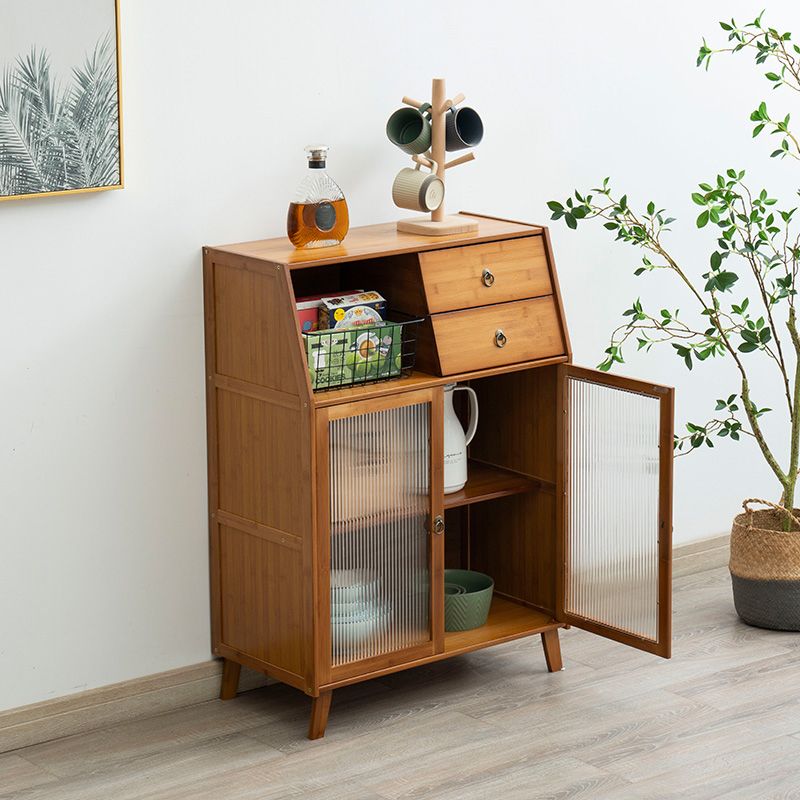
(230, 679)
(320, 707)
(552, 650)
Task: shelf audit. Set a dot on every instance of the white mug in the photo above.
(416, 190)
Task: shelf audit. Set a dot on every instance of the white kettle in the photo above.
(455, 441)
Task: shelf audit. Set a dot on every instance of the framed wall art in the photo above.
(60, 109)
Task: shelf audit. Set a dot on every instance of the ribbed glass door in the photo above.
(380, 508)
(617, 498)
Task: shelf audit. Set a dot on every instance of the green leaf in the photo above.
(554, 205)
(698, 198)
(747, 347)
(702, 220)
(758, 129)
(725, 280)
(751, 337)
(571, 221)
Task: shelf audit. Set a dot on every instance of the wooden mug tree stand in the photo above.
(439, 224)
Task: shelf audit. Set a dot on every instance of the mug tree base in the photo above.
(425, 226)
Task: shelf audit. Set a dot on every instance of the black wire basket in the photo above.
(341, 357)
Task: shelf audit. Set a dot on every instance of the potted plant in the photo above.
(744, 306)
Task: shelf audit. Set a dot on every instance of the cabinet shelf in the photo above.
(507, 621)
(420, 380)
(487, 482)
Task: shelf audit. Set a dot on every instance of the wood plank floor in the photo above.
(720, 720)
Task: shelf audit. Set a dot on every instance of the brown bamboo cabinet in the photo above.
(568, 504)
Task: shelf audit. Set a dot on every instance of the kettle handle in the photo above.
(473, 411)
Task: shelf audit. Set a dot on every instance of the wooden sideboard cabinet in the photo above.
(568, 503)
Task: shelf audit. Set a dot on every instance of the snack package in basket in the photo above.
(351, 310)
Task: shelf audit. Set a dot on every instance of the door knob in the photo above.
(487, 277)
(438, 524)
(500, 338)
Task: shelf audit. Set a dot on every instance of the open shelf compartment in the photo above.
(507, 621)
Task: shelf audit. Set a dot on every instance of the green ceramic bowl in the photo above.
(469, 609)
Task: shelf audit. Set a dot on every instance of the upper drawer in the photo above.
(481, 338)
(481, 274)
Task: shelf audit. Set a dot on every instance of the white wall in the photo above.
(103, 568)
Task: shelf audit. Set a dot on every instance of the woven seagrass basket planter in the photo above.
(765, 567)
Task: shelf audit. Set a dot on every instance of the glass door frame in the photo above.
(434, 398)
(666, 397)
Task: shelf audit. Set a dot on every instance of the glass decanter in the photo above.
(318, 214)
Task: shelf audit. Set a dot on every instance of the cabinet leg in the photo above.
(552, 650)
(230, 679)
(320, 707)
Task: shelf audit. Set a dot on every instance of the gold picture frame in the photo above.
(120, 183)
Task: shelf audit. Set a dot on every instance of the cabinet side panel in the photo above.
(551, 261)
(261, 585)
(211, 443)
(263, 475)
(251, 334)
(514, 539)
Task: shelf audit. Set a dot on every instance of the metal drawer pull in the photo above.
(487, 277)
(438, 525)
(500, 338)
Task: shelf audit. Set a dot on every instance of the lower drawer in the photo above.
(507, 333)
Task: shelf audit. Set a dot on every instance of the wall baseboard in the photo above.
(119, 702)
(701, 555)
(198, 683)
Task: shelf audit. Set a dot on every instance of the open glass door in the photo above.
(615, 507)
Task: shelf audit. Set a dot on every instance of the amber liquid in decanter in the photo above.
(317, 224)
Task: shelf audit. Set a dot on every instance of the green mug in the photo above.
(410, 129)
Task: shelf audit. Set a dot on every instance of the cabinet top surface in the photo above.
(371, 241)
